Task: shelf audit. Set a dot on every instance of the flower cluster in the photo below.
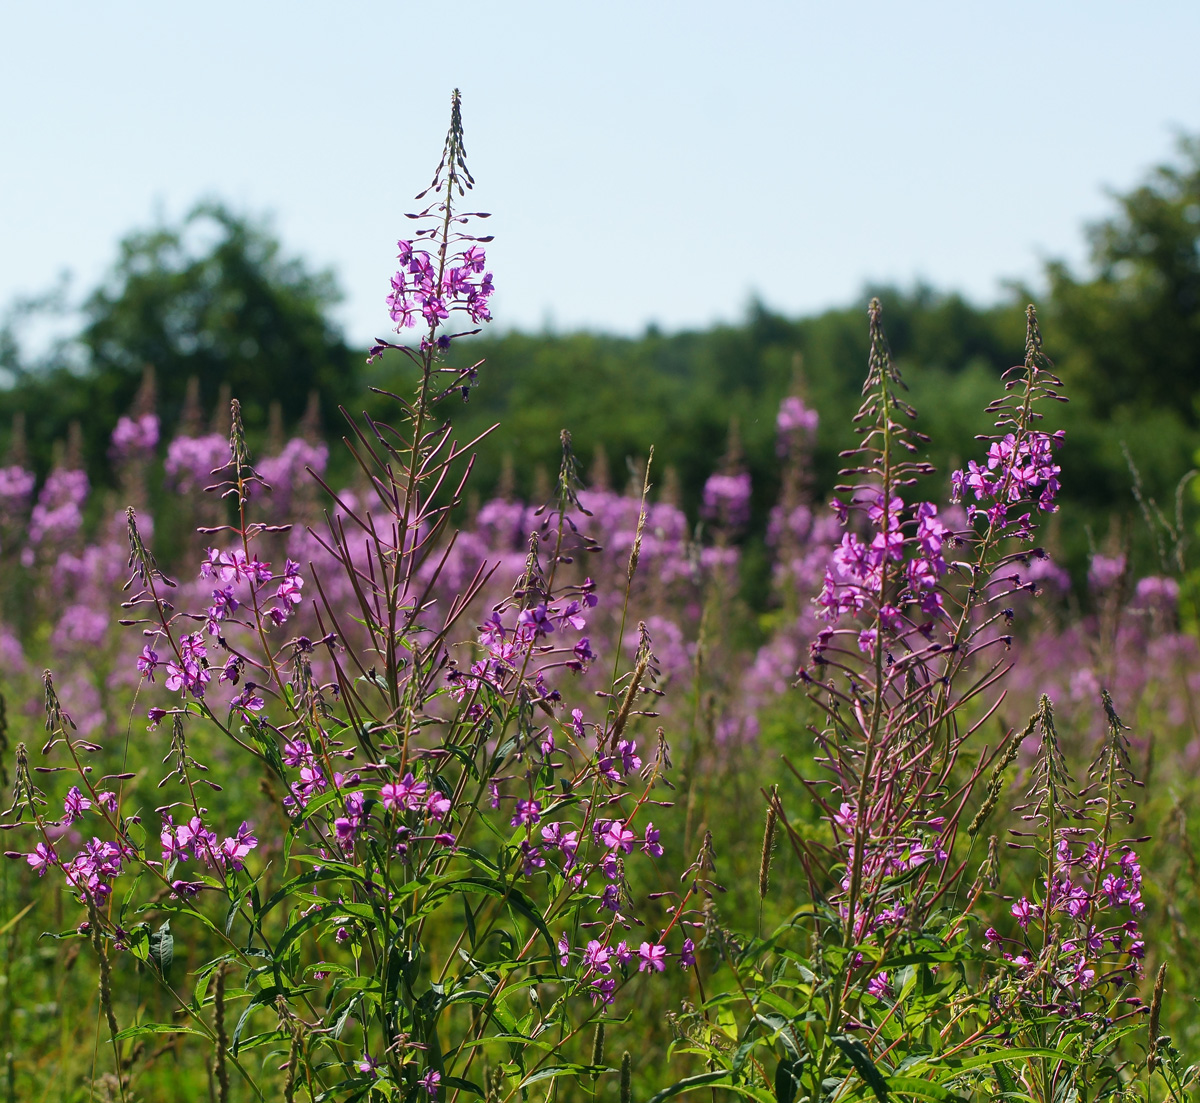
(134, 437)
(1017, 471)
(431, 287)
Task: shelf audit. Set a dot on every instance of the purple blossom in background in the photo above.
(80, 627)
(58, 515)
(1157, 593)
(794, 418)
(727, 499)
(16, 487)
(191, 461)
(134, 438)
(1105, 571)
(289, 471)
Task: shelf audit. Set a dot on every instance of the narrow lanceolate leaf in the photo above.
(691, 1083)
(860, 1057)
(922, 1089)
(148, 1029)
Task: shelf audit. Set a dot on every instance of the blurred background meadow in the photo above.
(691, 207)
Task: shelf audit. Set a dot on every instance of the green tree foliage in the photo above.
(212, 297)
(1134, 326)
(1126, 337)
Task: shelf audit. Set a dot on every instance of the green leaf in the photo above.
(147, 1029)
(860, 1057)
(981, 1060)
(785, 1082)
(565, 1070)
(162, 947)
(688, 1084)
(469, 919)
(922, 1089)
(332, 871)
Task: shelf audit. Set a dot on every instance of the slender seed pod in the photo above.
(626, 1078)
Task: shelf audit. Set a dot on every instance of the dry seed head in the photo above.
(996, 781)
(598, 1044)
(636, 552)
(1155, 1012)
(102, 955)
(219, 1059)
(764, 865)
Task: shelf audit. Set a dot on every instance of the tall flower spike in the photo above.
(454, 154)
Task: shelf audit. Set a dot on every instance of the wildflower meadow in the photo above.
(328, 778)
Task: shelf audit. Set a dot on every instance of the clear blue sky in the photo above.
(644, 161)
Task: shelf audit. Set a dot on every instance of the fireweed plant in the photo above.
(447, 909)
(883, 984)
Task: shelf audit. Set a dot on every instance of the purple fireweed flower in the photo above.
(437, 805)
(529, 812)
(652, 957)
(408, 794)
(235, 850)
(628, 757)
(75, 804)
(41, 859)
(247, 699)
(147, 662)
(879, 986)
(430, 1082)
(191, 461)
(603, 989)
(617, 836)
(191, 673)
(687, 954)
(298, 753)
(596, 956)
(1023, 911)
(650, 844)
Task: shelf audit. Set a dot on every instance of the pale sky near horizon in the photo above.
(644, 162)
